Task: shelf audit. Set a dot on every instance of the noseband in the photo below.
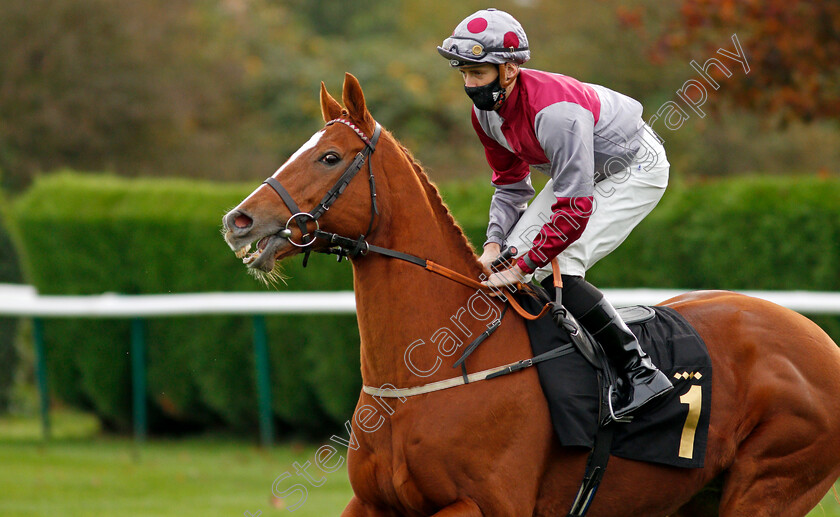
(302, 218)
(348, 247)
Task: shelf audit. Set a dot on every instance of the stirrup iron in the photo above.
(626, 419)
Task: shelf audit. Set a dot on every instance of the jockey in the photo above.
(608, 170)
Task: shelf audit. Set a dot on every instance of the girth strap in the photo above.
(483, 375)
(596, 466)
(554, 353)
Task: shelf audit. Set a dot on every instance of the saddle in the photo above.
(671, 430)
(590, 349)
(576, 385)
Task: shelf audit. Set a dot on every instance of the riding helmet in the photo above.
(486, 36)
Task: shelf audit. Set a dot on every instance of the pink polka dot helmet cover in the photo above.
(486, 36)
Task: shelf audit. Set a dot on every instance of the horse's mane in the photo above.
(440, 209)
(438, 205)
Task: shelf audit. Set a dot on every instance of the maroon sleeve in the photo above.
(568, 220)
(507, 167)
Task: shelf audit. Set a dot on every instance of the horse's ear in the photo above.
(330, 108)
(354, 99)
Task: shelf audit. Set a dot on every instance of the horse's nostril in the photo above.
(242, 221)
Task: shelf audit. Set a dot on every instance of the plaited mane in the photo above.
(439, 206)
(435, 200)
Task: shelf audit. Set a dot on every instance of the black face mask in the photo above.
(487, 96)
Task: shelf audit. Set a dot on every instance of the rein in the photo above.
(347, 247)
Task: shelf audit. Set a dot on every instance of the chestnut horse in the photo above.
(488, 448)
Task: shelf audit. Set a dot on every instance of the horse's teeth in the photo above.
(241, 252)
(252, 257)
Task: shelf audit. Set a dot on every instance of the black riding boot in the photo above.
(639, 380)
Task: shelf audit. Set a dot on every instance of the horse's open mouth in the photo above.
(266, 252)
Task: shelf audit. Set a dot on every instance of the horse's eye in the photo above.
(330, 158)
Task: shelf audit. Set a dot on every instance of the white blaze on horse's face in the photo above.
(250, 228)
(312, 142)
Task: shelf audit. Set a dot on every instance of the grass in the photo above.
(80, 472)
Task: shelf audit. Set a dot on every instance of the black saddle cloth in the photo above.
(671, 430)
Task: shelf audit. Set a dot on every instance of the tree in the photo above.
(136, 87)
(793, 50)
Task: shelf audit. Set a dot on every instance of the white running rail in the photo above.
(24, 301)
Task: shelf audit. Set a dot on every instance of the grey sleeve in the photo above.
(565, 132)
(506, 206)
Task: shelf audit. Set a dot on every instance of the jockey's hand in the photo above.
(504, 278)
(492, 251)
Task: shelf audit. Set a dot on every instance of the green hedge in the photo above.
(755, 233)
(86, 234)
(775, 233)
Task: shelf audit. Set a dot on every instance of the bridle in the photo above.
(301, 218)
(349, 247)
